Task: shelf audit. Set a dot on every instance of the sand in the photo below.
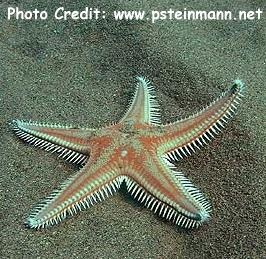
(83, 73)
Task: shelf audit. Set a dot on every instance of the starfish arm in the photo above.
(182, 138)
(69, 142)
(160, 187)
(92, 184)
(144, 107)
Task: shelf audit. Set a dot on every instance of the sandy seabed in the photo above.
(83, 73)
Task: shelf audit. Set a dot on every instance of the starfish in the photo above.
(138, 150)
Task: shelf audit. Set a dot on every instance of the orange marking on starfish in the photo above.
(139, 151)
